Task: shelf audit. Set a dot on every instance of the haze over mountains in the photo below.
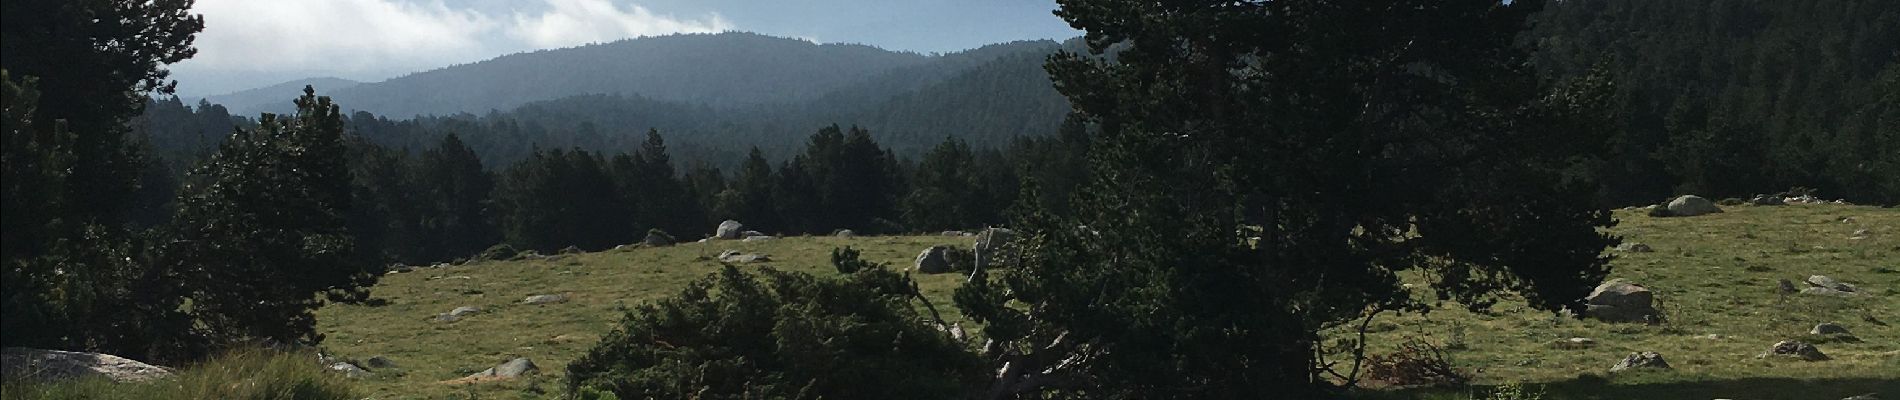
(724, 90)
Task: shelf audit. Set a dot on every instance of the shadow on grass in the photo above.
(1595, 388)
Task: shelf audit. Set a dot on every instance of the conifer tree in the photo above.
(262, 241)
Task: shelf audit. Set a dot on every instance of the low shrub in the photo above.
(774, 334)
(499, 252)
(847, 261)
(1415, 363)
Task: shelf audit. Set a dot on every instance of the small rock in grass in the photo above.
(1827, 282)
(513, 368)
(1644, 360)
(1828, 328)
(1691, 205)
(1795, 349)
(545, 299)
(349, 370)
(1575, 343)
(1634, 247)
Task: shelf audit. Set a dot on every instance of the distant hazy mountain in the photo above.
(719, 70)
(276, 98)
(713, 95)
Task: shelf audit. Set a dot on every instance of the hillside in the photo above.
(276, 98)
(724, 70)
(1715, 275)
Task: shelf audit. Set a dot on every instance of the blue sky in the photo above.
(252, 43)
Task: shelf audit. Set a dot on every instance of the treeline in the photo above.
(1731, 98)
(442, 203)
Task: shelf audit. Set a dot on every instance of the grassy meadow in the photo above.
(1715, 275)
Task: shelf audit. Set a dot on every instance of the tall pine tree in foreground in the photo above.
(261, 241)
(1265, 170)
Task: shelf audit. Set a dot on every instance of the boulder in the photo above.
(513, 368)
(49, 365)
(844, 233)
(759, 238)
(1634, 247)
(572, 250)
(951, 233)
(932, 260)
(1796, 350)
(1868, 396)
(1767, 200)
(1621, 301)
(752, 234)
(657, 238)
(1826, 282)
(1828, 328)
(728, 230)
(1691, 205)
(1644, 360)
(545, 299)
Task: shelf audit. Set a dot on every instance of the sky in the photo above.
(254, 43)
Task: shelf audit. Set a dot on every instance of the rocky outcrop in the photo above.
(46, 365)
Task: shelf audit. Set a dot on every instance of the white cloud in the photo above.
(375, 39)
(575, 22)
(345, 35)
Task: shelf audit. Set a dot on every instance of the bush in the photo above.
(846, 260)
(774, 334)
(243, 374)
(1514, 391)
(500, 252)
(657, 237)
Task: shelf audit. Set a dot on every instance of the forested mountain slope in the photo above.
(1728, 98)
(723, 70)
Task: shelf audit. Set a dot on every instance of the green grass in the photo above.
(428, 353)
(242, 375)
(1715, 274)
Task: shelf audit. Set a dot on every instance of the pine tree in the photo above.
(1264, 171)
(943, 193)
(263, 241)
(95, 61)
(455, 190)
